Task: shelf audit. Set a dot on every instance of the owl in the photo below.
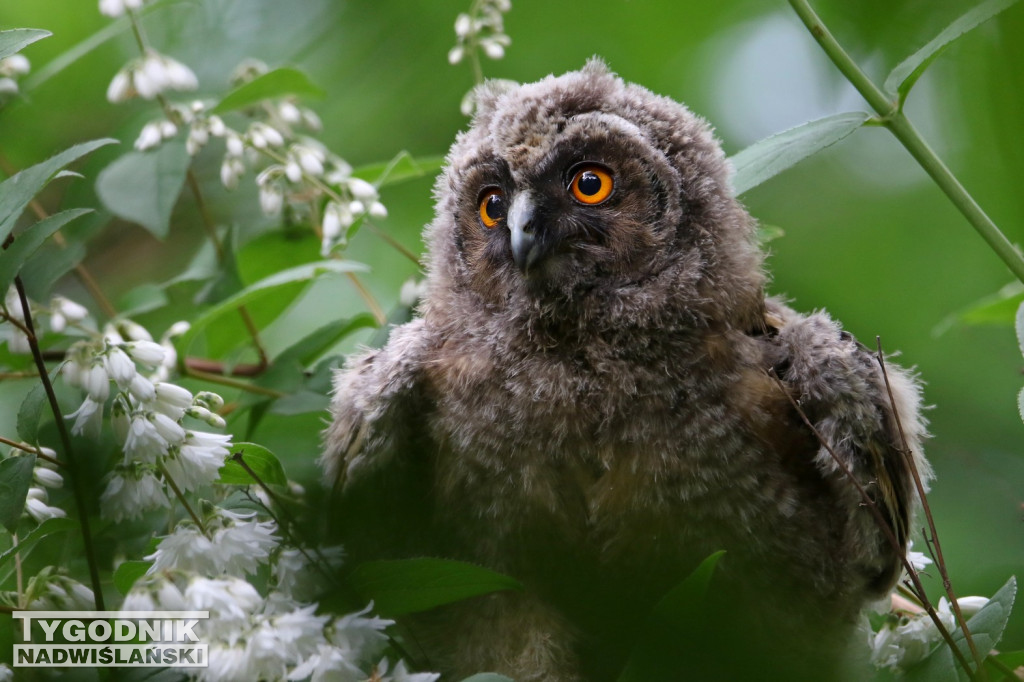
(596, 394)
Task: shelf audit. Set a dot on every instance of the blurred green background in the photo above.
(867, 235)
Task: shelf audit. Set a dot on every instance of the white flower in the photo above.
(463, 25)
(378, 210)
(63, 311)
(149, 137)
(47, 477)
(169, 429)
(171, 399)
(119, 366)
(231, 169)
(198, 136)
(242, 545)
(197, 461)
(63, 594)
(262, 136)
(400, 674)
(901, 644)
(271, 199)
(358, 637)
(281, 639)
(971, 605)
(141, 388)
(202, 414)
(228, 662)
(289, 113)
(327, 664)
(115, 8)
(130, 492)
(310, 158)
(361, 189)
(227, 598)
(12, 303)
(493, 49)
(39, 510)
(15, 65)
(144, 442)
(96, 382)
(146, 353)
(918, 560)
(186, 549)
(6, 674)
(88, 418)
(120, 88)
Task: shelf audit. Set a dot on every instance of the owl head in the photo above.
(584, 198)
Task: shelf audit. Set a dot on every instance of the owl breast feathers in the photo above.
(594, 398)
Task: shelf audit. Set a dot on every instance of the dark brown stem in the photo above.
(181, 498)
(216, 367)
(72, 465)
(31, 449)
(233, 383)
(933, 534)
(883, 525)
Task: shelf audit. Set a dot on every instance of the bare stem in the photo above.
(181, 498)
(233, 383)
(885, 528)
(900, 126)
(933, 533)
(72, 465)
(38, 452)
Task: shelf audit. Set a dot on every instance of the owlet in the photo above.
(593, 399)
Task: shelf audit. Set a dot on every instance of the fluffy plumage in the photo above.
(587, 402)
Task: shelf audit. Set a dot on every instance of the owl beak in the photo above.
(525, 249)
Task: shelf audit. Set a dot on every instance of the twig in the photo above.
(242, 369)
(72, 465)
(900, 126)
(38, 452)
(181, 498)
(933, 535)
(233, 383)
(882, 524)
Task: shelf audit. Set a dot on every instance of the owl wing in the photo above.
(840, 387)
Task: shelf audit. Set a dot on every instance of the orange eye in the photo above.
(591, 184)
(492, 207)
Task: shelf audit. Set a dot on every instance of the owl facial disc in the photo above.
(526, 250)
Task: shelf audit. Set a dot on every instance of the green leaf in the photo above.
(488, 677)
(988, 624)
(299, 273)
(670, 622)
(47, 527)
(1019, 327)
(29, 412)
(906, 73)
(998, 308)
(15, 480)
(769, 233)
(412, 585)
(301, 402)
(768, 157)
(17, 191)
(15, 40)
(128, 572)
(399, 169)
(262, 461)
(29, 241)
(271, 85)
(143, 187)
(142, 299)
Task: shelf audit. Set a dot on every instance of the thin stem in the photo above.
(233, 383)
(900, 126)
(38, 452)
(181, 498)
(883, 525)
(371, 302)
(940, 561)
(72, 465)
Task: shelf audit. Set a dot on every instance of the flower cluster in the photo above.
(44, 476)
(11, 69)
(483, 27)
(907, 638)
(150, 75)
(115, 8)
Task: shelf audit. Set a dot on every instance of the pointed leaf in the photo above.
(13, 41)
(29, 412)
(15, 479)
(29, 241)
(299, 273)
(271, 85)
(143, 187)
(47, 527)
(906, 73)
(412, 585)
(988, 624)
(403, 167)
(128, 572)
(262, 461)
(769, 157)
(673, 618)
(17, 191)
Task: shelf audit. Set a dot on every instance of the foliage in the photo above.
(133, 377)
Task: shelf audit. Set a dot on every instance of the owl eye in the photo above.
(591, 184)
(492, 207)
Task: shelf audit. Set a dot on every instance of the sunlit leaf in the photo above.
(28, 242)
(299, 273)
(17, 191)
(15, 479)
(403, 167)
(271, 85)
(413, 585)
(263, 463)
(906, 73)
(128, 572)
(143, 187)
(16, 39)
(768, 157)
